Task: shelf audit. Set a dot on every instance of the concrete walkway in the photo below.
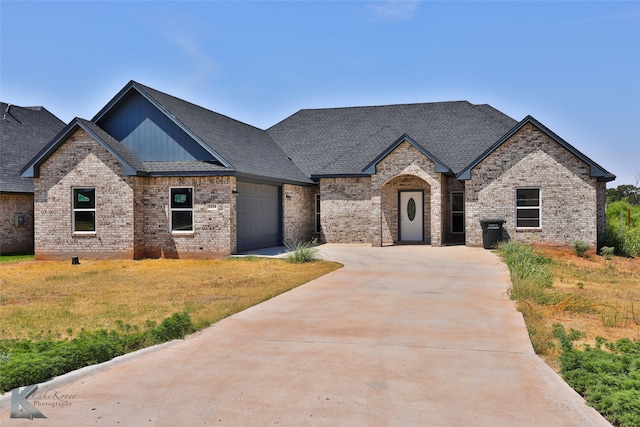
(401, 336)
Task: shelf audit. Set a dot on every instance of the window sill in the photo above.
(528, 230)
(182, 233)
(84, 234)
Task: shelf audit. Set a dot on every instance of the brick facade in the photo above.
(365, 210)
(405, 168)
(132, 213)
(16, 223)
(299, 204)
(82, 162)
(571, 201)
(346, 209)
(214, 225)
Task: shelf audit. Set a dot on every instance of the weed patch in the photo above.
(25, 362)
(607, 374)
(608, 378)
(302, 252)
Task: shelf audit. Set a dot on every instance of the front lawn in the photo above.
(56, 317)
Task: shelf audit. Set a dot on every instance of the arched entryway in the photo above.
(405, 210)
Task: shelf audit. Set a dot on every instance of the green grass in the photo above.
(530, 275)
(6, 259)
(608, 378)
(24, 362)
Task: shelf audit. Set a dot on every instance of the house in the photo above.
(23, 132)
(152, 175)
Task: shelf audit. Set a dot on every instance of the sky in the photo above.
(573, 65)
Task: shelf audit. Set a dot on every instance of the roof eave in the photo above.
(316, 177)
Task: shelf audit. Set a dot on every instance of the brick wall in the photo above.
(531, 159)
(346, 209)
(414, 167)
(82, 162)
(132, 213)
(16, 237)
(214, 225)
(298, 213)
(365, 210)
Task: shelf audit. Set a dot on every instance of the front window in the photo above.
(182, 209)
(84, 210)
(528, 208)
(457, 212)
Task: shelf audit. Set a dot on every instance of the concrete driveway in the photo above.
(401, 336)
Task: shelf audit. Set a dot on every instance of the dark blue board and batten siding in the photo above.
(149, 134)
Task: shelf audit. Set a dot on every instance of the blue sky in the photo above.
(573, 65)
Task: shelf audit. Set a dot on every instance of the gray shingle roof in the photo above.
(23, 132)
(346, 140)
(249, 150)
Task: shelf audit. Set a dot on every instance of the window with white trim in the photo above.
(457, 212)
(181, 210)
(84, 210)
(318, 226)
(528, 208)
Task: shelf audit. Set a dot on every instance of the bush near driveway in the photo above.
(24, 362)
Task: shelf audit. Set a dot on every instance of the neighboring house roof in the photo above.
(595, 170)
(347, 141)
(23, 132)
(240, 149)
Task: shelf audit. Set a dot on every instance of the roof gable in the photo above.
(596, 170)
(440, 167)
(131, 165)
(150, 131)
(23, 132)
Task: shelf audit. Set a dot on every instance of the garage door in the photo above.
(258, 216)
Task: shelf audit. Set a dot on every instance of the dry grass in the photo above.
(603, 298)
(57, 299)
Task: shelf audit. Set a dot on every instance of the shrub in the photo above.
(580, 246)
(608, 379)
(607, 251)
(302, 252)
(27, 362)
(626, 243)
(530, 274)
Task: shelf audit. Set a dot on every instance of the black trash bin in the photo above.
(491, 232)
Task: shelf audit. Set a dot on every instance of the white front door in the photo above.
(411, 212)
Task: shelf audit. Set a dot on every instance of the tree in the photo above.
(629, 193)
